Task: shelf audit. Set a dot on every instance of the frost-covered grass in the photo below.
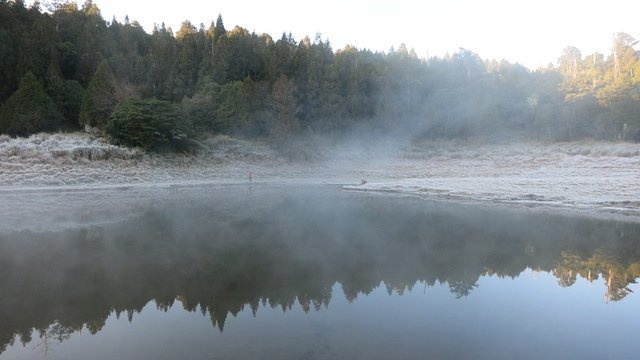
(62, 147)
(581, 175)
(79, 159)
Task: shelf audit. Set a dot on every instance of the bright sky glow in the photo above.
(532, 33)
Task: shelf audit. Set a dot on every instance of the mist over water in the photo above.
(587, 176)
(240, 196)
(306, 271)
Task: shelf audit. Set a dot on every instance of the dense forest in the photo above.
(66, 68)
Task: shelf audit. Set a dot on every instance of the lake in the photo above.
(310, 272)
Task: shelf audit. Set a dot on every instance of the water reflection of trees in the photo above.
(222, 259)
(617, 274)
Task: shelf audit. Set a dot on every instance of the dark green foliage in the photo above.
(91, 42)
(220, 30)
(29, 110)
(73, 93)
(201, 109)
(232, 110)
(160, 62)
(225, 81)
(150, 124)
(67, 96)
(184, 75)
(100, 99)
(623, 117)
(7, 60)
(54, 86)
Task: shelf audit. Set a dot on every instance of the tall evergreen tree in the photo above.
(160, 59)
(92, 43)
(29, 110)
(220, 30)
(100, 98)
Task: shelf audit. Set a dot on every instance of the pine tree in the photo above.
(220, 30)
(29, 110)
(160, 60)
(100, 98)
(184, 75)
(91, 43)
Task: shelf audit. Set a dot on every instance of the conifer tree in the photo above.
(220, 30)
(100, 98)
(29, 110)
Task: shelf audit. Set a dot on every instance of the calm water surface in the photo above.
(311, 272)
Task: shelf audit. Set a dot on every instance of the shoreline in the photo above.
(587, 176)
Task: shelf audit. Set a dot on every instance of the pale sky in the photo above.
(532, 33)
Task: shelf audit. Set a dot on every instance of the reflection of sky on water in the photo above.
(529, 317)
(229, 253)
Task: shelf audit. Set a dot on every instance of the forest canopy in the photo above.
(67, 67)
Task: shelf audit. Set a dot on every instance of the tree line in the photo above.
(68, 68)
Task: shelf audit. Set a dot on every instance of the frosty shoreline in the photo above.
(587, 175)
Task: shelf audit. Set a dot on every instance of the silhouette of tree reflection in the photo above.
(220, 254)
(461, 288)
(610, 266)
(55, 333)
